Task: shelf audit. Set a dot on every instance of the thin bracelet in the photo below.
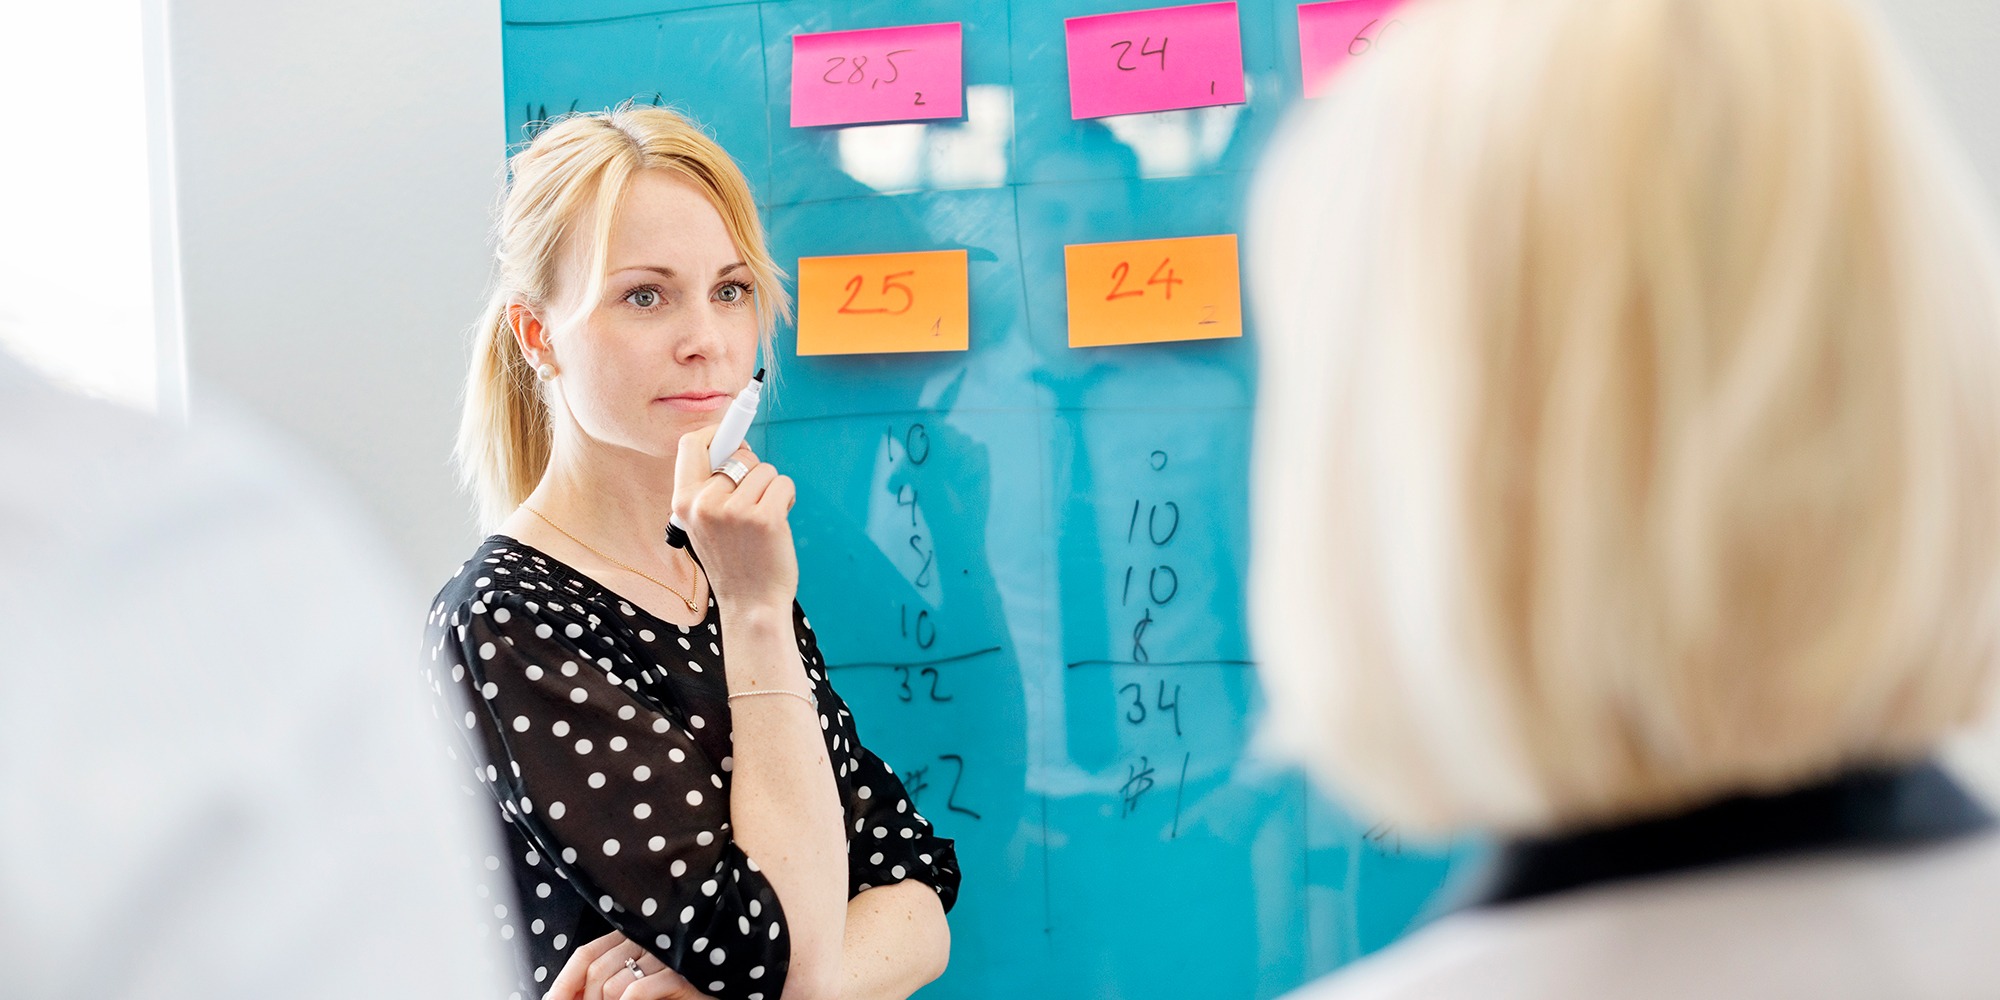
(810, 700)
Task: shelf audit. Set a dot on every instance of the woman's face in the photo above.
(673, 336)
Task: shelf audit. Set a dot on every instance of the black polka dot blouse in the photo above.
(602, 736)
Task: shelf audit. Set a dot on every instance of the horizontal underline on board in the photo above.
(915, 663)
(955, 411)
(634, 16)
(1162, 663)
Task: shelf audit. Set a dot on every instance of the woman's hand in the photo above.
(740, 530)
(597, 971)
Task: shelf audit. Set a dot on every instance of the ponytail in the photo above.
(503, 433)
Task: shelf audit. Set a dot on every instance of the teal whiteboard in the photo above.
(1025, 561)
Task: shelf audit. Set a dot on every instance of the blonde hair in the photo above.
(577, 170)
(1627, 430)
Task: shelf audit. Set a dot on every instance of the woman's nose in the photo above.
(703, 337)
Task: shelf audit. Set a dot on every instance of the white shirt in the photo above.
(217, 776)
(1922, 924)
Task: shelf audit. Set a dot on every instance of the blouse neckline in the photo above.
(708, 614)
(1892, 807)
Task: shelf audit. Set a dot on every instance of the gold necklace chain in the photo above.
(692, 580)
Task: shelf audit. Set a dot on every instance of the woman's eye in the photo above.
(730, 293)
(644, 298)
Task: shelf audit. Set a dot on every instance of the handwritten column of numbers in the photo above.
(921, 682)
(1149, 700)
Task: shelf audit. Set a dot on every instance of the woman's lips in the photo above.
(696, 402)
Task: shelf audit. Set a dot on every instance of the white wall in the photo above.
(74, 301)
(336, 166)
(1952, 43)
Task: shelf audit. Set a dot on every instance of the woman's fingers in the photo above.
(665, 984)
(576, 972)
(781, 494)
(748, 492)
(714, 489)
(609, 967)
(691, 458)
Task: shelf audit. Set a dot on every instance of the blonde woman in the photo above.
(680, 822)
(1629, 450)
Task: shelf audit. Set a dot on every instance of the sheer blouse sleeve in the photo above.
(616, 792)
(888, 840)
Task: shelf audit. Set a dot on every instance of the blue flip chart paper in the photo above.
(1026, 562)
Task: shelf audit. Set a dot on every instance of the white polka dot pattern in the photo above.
(618, 721)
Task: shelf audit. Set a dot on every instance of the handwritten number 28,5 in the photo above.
(856, 72)
(1124, 49)
(859, 71)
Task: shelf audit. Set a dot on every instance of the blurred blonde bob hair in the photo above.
(561, 203)
(1627, 430)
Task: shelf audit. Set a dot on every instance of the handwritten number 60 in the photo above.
(1362, 43)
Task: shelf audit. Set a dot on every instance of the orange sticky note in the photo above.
(1151, 291)
(883, 303)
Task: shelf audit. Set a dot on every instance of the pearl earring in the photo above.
(546, 372)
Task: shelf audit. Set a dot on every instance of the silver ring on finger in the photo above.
(632, 965)
(734, 469)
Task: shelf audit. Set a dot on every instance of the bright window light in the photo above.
(77, 295)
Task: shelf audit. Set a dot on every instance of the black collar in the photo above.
(1892, 807)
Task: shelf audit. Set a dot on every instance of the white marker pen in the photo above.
(728, 437)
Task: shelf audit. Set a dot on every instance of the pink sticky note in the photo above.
(878, 75)
(1154, 60)
(1332, 33)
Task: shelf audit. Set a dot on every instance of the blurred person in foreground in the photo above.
(217, 776)
(1629, 467)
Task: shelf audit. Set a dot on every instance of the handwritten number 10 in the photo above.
(916, 444)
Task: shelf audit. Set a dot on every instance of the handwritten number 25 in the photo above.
(889, 283)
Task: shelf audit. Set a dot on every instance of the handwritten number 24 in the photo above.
(1124, 271)
(1125, 49)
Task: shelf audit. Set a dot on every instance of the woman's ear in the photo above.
(530, 334)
